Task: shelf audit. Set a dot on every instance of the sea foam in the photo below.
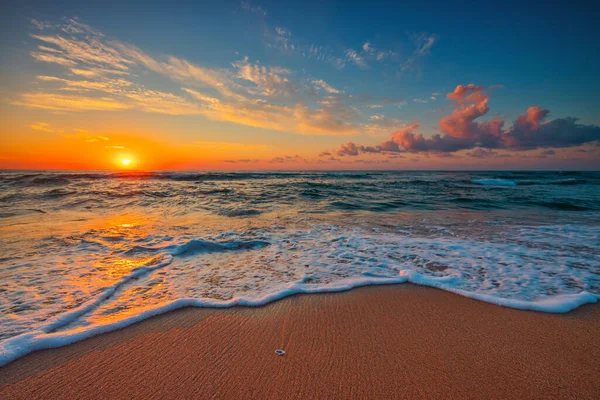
(544, 269)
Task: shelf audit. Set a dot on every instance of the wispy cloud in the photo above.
(356, 59)
(373, 52)
(423, 43)
(42, 126)
(229, 146)
(242, 161)
(91, 52)
(321, 84)
(57, 102)
(94, 139)
(287, 159)
(281, 39)
(270, 81)
(255, 9)
(101, 74)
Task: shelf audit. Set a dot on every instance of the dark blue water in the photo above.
(309, 192)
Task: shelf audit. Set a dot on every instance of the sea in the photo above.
(86, 252)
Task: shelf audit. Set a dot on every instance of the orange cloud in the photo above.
(461, 131)
(42, 126)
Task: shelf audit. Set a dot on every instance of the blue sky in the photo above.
(391, 64)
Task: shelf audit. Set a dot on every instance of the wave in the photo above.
(238, 212)
(216, 191)
(263, 266)
(195, 246)
(494, 182)
(50, 180)
(314, 178)
(45, 338)
(57, 193)
(528, 182)
(561, 205)
(568, 181)
(16, 213)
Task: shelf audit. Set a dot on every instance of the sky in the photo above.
(311, 85)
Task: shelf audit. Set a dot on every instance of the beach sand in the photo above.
(399, 341)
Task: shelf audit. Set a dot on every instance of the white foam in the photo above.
(21, 345)
(548, 269)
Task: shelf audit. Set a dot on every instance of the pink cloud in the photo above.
(460, 130)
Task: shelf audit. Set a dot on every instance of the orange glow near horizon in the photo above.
(124, 147)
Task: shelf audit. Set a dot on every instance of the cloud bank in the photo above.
(460, 131)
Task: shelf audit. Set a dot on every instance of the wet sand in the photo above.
(399, 341)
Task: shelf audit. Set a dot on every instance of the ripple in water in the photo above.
(83, 253)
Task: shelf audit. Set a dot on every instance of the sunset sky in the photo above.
(307, 85)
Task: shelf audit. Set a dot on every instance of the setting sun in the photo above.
(126, 162)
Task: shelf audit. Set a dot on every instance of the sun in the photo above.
(125, 161)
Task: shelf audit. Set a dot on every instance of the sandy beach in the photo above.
(399, 341)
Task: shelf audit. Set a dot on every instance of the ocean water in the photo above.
(87, 252)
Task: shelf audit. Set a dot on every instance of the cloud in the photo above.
(423, 43)
(321, 84)
(481, 153)
(348, 149)
(114, 147)
(91, 72)
(282, 31)
(247, 6)
(93, 51)
(461, 131)
(352, 149)
(42, 126)
(102, 74)
(51, 58)
(228, 146)
(371, 52)
(243, 161)
(39, 24)
(57, 102)
(356, 59)
(287, 159)
(96, 139)
(298, 118)
(546, 153)
(136, 98)
(280, 39)
(528, 131)
(271, 81)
